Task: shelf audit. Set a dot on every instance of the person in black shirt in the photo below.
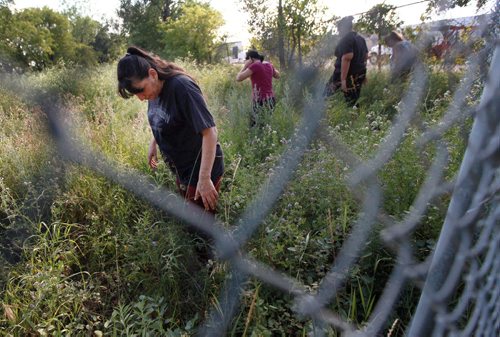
(182, 126)
(350, 65)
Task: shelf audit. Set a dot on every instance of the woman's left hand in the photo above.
(206, 191)
(343, 86)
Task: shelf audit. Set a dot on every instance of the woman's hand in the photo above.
(206, 190)
(245, 72)
(247, 64)
(153, 155)
(343, 86)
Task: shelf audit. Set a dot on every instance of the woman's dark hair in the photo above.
(134, 66)
(255, 55)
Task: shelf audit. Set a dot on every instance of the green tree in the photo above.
(194, 33)
(37, 38)
(263, 24)
(107, 44)
(442, 5)
(6, 50)
(281, 35)
(40, 38)
(446, 4)
(381, 19)
(84, 29)
(172, 28)
(95, 40)
(100, 41)
(289, 30)
(143, 21)
(305, 26)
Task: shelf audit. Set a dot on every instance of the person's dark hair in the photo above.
(255, 55)
(134, 66)
(393, 37)
(345, 23)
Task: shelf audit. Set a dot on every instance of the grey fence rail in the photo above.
(466, 253)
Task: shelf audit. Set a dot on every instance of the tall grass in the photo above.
(99, 260)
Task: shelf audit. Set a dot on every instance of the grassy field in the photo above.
(81, 256)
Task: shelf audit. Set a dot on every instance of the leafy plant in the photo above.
(145, 317)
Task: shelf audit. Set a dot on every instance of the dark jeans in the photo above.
(259, 108)
(354, 83)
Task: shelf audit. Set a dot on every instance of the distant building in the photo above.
(234, 52)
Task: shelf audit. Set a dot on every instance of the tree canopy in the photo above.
(142, 22)
(381, 19)
(193, 34)
(172, 28)
(446, 4)
(36, 38)
(288, 30)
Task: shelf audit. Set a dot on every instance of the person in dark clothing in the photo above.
(350, 65)
(404, 55)
(183, 128)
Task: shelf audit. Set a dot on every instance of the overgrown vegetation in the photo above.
(82, 256)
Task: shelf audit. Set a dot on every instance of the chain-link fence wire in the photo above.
(467, 245)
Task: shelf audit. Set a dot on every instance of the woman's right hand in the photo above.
(153, 155)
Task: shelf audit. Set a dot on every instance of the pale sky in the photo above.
(236, 26)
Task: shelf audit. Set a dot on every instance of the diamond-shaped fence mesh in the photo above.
(460, 281)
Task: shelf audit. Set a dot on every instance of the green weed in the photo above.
(102, 260)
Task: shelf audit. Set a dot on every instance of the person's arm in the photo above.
(205, 188)
(276, 73)
(395, 54)
(396, 60)
(245, 72)
(153, 154)
(344, 69)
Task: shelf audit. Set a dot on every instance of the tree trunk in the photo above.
(166, 10)
(281, 43)
(299, 40)
(379, 55)
(291, 56)
(379, 58)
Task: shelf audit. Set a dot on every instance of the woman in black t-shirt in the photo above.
(182, 126)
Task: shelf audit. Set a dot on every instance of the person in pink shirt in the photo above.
(261, 74)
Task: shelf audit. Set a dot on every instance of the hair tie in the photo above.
(127, 54)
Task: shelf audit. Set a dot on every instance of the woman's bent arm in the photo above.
(205, 188)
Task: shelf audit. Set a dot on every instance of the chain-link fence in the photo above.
(460, 280)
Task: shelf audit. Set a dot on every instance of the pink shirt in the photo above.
(262, 80)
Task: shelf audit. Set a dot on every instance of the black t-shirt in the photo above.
(177, 118)
(352, 42)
